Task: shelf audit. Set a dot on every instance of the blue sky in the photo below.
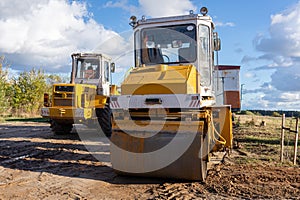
(263, 37)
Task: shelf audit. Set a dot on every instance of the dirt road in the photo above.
(35, 164)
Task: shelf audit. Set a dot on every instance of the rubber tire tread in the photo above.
(60, 128)
(104, 119)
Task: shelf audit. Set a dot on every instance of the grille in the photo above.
(63, 102)
(61, 88)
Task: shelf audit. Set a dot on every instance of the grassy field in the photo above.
(260, 136)
(35, 164)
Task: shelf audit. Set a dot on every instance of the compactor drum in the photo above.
(166, 120)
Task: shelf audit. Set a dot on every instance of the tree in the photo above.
(4, 88)
(23, 94)
(28, 90)
(50, 80)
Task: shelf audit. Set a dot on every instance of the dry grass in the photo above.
(260, 136)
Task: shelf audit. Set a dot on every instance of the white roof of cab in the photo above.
(173, 19)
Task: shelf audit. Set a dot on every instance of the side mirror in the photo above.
(112, 67)
(217, 44)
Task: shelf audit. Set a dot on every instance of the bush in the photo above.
(23, 95)
(246, 112)
(250, 123)
(4, 89)
(28, 90)
(276, 114)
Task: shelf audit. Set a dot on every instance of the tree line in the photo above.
(277, 113)
(22, 94)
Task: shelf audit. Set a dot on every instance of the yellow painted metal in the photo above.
(114, 90)
(79, 101)
(70, 113)
(98, 102)
(222, 118)
(130, 155)
(161, 79)
(156, 126)
(142, 137)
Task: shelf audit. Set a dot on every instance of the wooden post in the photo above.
(282, 137)
(296, 142)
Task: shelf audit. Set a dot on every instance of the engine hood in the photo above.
(161, 79)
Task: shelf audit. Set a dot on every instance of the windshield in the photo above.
(87, 69)
(168, 45)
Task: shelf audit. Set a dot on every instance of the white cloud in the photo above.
(44, 33)
(224, 24)
(271, 99)
(287, 79)
(151, 8)
(159, 8)
(249, 75)
(284, 34)
(246, 59)
(123, 4)
(14, 8)
(290, 97)
(283, 100)
(281, 52)
(120, 49)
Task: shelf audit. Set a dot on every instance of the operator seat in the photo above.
(187, 54)
(155, 55)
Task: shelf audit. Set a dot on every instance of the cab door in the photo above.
(105, 77)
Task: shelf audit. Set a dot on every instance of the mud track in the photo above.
(35, 164)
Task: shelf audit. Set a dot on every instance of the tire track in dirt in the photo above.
(35, 164)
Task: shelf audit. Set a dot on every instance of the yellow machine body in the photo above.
(161, 79)
(86, 98)
(166, 120)
(77, 103)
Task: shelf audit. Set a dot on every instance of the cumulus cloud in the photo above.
(43, 33)
(284, 34)
(287, 79)
(150, 8)
(123, 4)
(267, 96)
(224, 24)
(281, 52)
(166, 7)
(120, 49)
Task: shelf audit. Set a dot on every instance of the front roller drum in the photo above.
(164, 155)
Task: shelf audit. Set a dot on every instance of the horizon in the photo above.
(263, 37)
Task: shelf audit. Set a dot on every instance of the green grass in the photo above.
(260, 140)
(19, 119)
(262, 143)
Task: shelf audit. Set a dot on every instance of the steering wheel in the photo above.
(168, 59)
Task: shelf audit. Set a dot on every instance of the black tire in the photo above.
(60, 128)
(104, 118)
